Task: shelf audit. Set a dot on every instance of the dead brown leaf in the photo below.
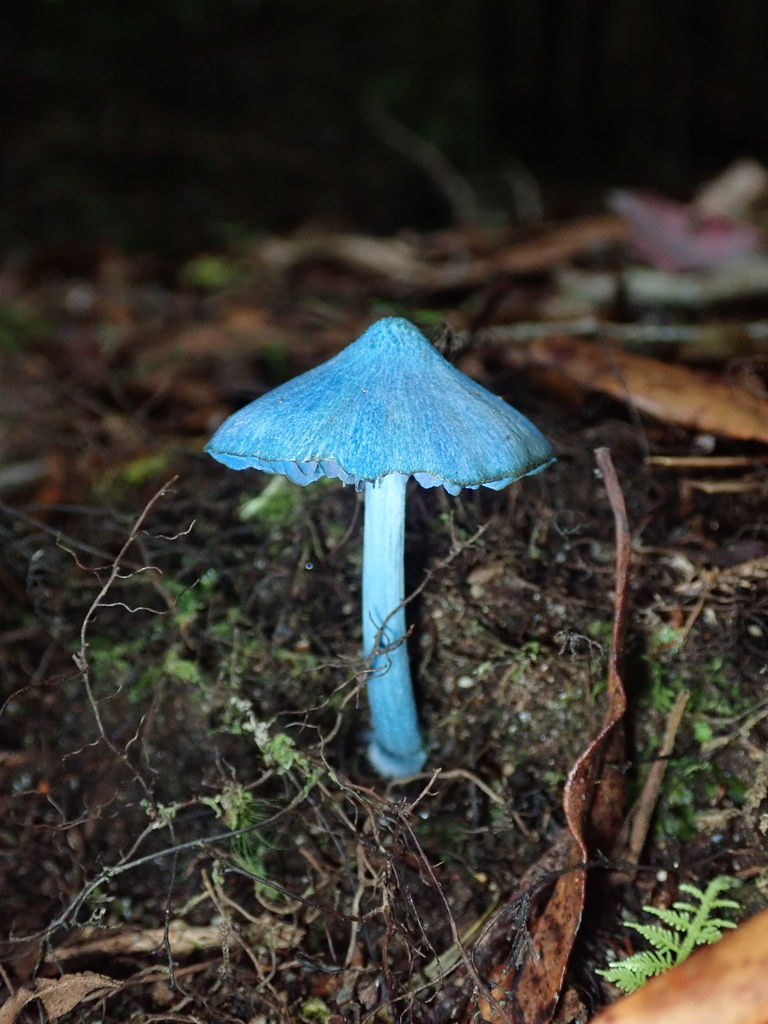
(58, 995)
(699, 401)
(726, 983)
(558, 244)
(400, 262)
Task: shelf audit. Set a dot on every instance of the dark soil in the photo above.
(173, 674)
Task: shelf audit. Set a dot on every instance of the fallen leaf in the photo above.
(579, 292)
(677, 236)
(58, 995)
(694, 399)
(398, 261)
(726, 983)
(735, 191)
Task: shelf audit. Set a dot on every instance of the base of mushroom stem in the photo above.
(395, 766)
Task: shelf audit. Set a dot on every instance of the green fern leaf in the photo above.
(630, 974)
(710, 896)
(699, 894)
(709, 901)
(687, 925)
(674, 918)
(712, 931)
(662, 939)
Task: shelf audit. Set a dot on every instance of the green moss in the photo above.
(224, 628)
(214, 272)
(600, 630)
(714, 691)
(315, 1011)
(278, 504)
(280, 752)
(190, 600)
(692, 785)
(20, 324)
(185, 670)
(300, 662)
(676, 816)
(120, 480)
(240, 810)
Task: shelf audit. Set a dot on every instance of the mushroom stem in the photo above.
(395, 749)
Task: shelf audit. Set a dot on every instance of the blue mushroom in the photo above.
(386, 408)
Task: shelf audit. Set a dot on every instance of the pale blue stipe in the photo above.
(395, 747)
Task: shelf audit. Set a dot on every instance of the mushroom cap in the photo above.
(387, 403)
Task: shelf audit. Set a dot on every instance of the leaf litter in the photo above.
(187, 811)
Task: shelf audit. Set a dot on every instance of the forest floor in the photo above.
(189, 829)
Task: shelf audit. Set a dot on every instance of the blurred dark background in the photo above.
(176, 124)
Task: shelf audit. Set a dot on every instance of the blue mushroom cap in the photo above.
(387, 403)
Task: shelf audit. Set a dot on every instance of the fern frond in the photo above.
(630, 974)
(687, 925)
(710, 896)
(712, 930)
(674, 918)
(709, 901)
(662, 939)
(695, 891)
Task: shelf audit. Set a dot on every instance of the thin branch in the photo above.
(642, 812)
(81, 657)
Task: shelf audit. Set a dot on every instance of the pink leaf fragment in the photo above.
(676, 236)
